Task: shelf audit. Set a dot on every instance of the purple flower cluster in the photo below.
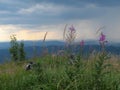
(72, 29)
(82, 43)
(102, 41)
(102, 38)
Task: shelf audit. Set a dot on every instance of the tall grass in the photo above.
(57, 74)
(44, 48)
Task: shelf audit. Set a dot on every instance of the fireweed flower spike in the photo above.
(70, 35)
(102, 41)
(81, 47)
(82, 43)
(72, 29)
(102, 37)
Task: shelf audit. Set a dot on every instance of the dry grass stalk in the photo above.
(45, 51)
(64, 32)
(44, 37)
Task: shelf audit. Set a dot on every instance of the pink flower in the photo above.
(102, 38)
(82, 43)
(102, 41)
(72, 29)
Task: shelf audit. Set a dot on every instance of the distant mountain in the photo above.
(6, 45)
(53, 47)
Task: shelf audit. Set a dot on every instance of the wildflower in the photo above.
(72, 29)
(82, 43)
(102, 41)
(102, 38)
(69, 36)
(81, 47)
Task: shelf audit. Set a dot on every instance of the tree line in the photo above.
(16, 49)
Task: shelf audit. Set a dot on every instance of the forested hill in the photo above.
(53, 47)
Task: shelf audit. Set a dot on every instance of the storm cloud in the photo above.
(23, 17)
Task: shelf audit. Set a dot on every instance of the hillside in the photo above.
(53, 47)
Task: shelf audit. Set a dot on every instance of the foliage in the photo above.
(14, 48)
(57, 74)
(21, 51)
(100, 71)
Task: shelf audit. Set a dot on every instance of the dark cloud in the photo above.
(75, 9)
(29, 14)
(82, 2)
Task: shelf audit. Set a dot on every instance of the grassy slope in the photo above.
(56, 74)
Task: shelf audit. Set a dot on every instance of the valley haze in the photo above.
(53, 46)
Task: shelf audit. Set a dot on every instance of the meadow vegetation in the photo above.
(100, 71)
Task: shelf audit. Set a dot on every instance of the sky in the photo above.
(31, 19)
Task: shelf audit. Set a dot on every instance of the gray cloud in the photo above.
(30, 14)
(106, 3)
(57, 11)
